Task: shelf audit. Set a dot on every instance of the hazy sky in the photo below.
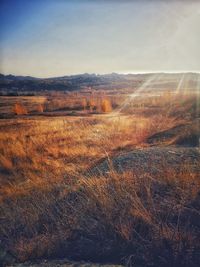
(58, 37)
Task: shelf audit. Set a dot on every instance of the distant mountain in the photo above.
(10, 84)
(13, 77)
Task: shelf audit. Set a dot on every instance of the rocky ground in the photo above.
(62, 263)
(151, 160)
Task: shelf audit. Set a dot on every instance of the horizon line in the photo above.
(101, 74)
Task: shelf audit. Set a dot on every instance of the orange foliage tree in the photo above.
(106, 105)
(91, 104)
(84, 104)
(19, 109)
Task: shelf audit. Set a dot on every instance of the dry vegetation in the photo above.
(59, 103)
(51, 207)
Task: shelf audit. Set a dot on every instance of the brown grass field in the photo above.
(58, 201)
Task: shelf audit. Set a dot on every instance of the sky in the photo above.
(48, 38)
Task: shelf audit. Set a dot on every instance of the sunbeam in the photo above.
(198, 95)
(137, 93)
(180, 84)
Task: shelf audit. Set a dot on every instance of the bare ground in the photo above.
(151, 160)
(63, 263)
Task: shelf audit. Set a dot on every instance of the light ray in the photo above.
(187, 85)
(198, 96)
(180, 84)
(136, 94)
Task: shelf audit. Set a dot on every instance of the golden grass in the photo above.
(120, 211)
(50, 208)
(63, 147)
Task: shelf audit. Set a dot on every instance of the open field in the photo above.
(99, 133)
(113, 181)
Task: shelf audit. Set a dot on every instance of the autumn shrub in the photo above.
(19, 109)
(91, 104)
(84, 103)
(106, 105)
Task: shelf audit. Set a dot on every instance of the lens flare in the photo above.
(180, 84)
(198, 95)
(137, 93)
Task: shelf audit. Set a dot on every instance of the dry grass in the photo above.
(49, 149)
(124, 218)
(84, 102)
(49, 208)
